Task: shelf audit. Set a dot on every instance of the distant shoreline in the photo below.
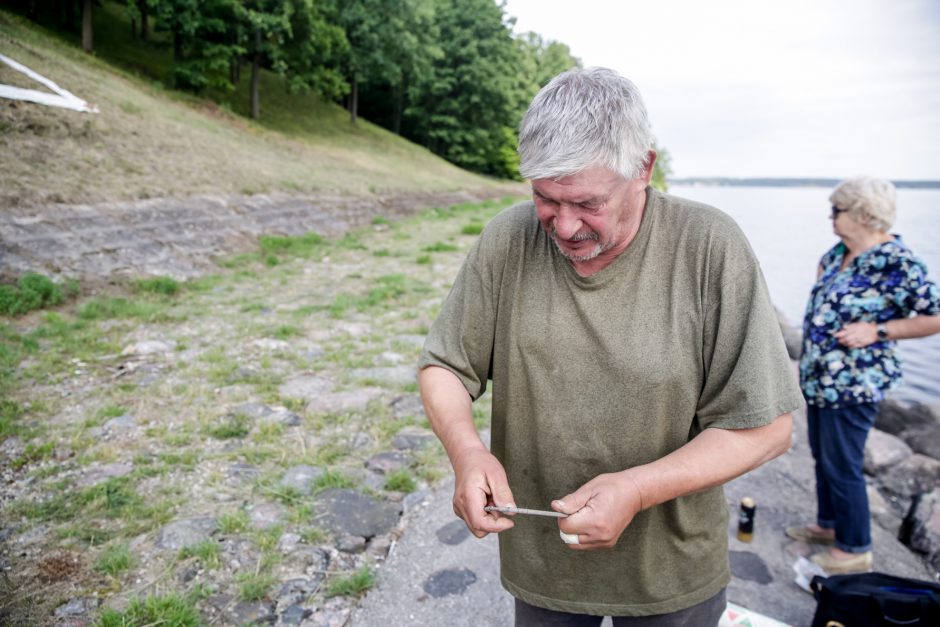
(722, 181)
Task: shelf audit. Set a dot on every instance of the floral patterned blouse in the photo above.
(883, 283)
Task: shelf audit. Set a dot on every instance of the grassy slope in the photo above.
(147, 141)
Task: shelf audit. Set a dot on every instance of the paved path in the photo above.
(438, 574)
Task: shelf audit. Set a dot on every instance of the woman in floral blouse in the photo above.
(871, 290)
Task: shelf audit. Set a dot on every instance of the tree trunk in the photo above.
(399, 105)
(87, 35)
(354, 100)
(144, 21)
(177, 48)
(70, 15)
(133, 29)
(255, 71)
(233, 70)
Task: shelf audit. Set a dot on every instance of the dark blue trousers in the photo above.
(837, 440)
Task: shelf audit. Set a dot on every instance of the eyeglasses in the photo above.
(836, 211)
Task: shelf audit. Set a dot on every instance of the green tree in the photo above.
(551, 57)
(662, 169)
(314, 49)
(467, 107)
(410, 49)
(203, 42)
(266, 26)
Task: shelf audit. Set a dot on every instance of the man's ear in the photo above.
(650, 162)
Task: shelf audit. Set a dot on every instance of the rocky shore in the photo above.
(253, 447)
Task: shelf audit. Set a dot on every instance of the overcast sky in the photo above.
(804, 88)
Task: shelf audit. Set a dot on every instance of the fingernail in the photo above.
(559, 503)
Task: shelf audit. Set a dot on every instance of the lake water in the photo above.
(789, 229)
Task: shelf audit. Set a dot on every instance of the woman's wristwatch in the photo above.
(882, 331)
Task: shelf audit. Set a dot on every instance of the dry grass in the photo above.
(150, 142)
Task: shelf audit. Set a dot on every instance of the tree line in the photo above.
(449, 75)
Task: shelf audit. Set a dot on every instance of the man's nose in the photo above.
(567, 223)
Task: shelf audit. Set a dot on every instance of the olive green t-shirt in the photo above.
(602, 373)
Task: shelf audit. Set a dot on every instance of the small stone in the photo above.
(388, 375)
(348, 511)
(413, 438)
(294, 615)
(241, 471)
(94, 476)
(266, 515)
(186, 533)
(306, 387)
(78, 606)
(147, 347)
(288, 542)
(121, 423)
(388, 462)
(408, 406)
(379, 546)
(351, 544)
(301, 478)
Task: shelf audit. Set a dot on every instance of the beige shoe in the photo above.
(858, 563)
(806, 534)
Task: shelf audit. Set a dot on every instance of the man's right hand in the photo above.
(480, 480)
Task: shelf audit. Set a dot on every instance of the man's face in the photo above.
(591, 216)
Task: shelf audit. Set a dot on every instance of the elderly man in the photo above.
(636, 365)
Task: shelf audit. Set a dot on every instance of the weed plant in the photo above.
(355, 585)
(114, 560)
(34, 291)
(171, 609)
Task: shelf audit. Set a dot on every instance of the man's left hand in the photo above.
(600, 510)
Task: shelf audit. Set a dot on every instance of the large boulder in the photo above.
(346, 511)
(883, 450)
(918, 474)
(921, 529)
(895, 418)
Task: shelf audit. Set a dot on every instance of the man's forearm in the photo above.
(712, 458)
(448, 407)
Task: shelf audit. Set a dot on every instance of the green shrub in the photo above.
(207, 552)
(302, 246)
(114, 560)
(237, 426)
(354, 585)
(156, 610)
(400, 481)
(474, 228)
(252, 587)
(159, 285)
(32, 291)
(441, 247)
(10, 413)
(332, 479)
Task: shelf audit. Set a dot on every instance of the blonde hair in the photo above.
(867, 200)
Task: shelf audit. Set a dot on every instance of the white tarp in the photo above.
(61, 97)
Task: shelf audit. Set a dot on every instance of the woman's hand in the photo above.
(857, 334)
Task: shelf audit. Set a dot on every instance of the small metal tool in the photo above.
(523, 510)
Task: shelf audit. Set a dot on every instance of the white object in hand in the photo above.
(569, 538)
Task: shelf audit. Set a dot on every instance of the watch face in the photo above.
(882, 332)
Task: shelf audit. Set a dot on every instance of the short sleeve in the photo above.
(461, 338)
(749, 379)
(914, 293)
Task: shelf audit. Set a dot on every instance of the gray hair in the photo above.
(582, 118)
(868, 200)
